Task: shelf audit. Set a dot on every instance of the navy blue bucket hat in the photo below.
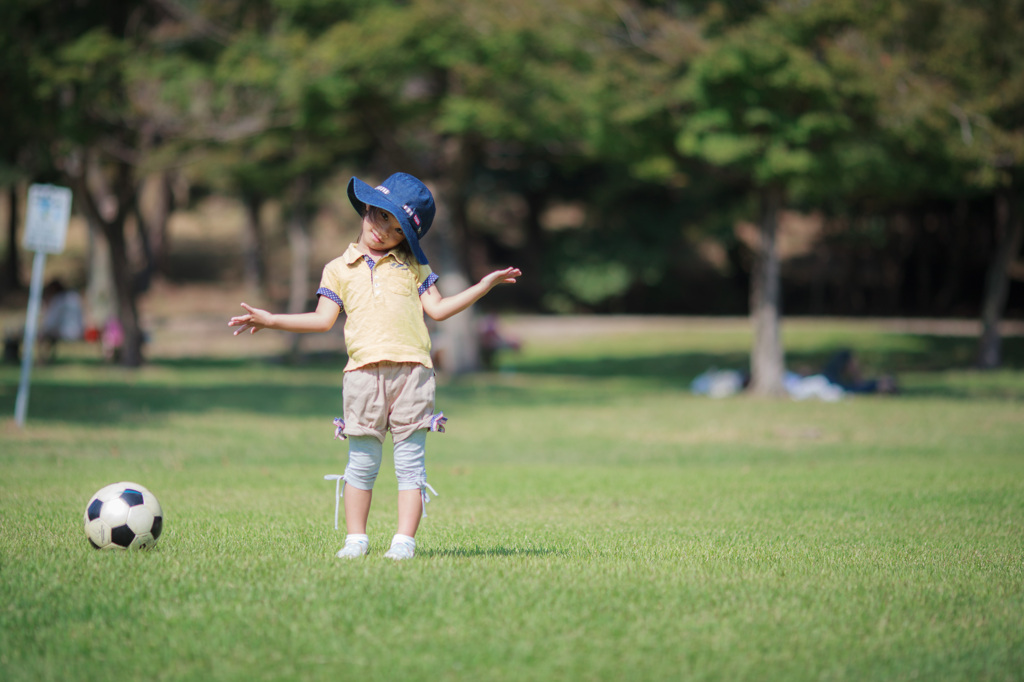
(404, 197)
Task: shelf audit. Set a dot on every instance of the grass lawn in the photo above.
(595, 521)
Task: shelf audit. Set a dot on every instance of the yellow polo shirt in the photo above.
(382, 303)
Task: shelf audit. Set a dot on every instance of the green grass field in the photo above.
(595, 521)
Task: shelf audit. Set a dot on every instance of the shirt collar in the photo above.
(352, 254)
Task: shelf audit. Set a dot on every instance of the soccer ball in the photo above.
(123, 516)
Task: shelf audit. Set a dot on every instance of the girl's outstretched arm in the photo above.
(439, 307)
(321, 320)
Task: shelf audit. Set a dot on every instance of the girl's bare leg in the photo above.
(357, 509)
(410, 509)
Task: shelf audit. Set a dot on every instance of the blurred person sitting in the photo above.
(112, 339)
(843, 369)
(62, 320)
(492, 340)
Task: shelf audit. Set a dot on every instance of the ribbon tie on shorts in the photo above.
(437, 423)
(338, 493)
(425, 497)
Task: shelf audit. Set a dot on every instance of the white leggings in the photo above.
(366, 452)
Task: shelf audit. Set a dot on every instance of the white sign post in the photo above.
(46, 227)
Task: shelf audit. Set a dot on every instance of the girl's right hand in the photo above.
(253, 321)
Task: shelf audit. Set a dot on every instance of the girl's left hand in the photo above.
(506, 276)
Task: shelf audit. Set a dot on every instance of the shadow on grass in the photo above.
(115, 403)
(470, 552)
(922, 355)
(978, 390)
(126, 404)
(314, 387)
(203, 386)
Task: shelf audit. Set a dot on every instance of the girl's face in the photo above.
(381, 231)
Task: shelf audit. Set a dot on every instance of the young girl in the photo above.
(384, 285)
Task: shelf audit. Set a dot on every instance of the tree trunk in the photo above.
(456, 341)
(1009, 236)
(124, 288)
(301, 247)
(766, 360)
(254, 272)
(144, 276)
(101, 302)
(956, 242)
(536, 246)
(156, 224)
(153, 208)
(12, 276)
(116, 201)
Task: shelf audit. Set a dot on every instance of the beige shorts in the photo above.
(388, 396)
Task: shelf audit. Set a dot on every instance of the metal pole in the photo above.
(35, 295)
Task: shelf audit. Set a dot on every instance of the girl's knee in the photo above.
(356, 478)
(411, 478)
(364, 459)
(410, 461)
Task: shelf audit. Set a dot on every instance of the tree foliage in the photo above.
(659, 123)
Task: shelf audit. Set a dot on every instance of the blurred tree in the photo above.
(23, 147)
(565, 102)
(91, 110)
(978, 57)
(80, 70)
(952, 82)
(508, 81)
(625, 167)
(271, 114)
(663, 120)
(263, 127)
(774, 104)
(449, 91)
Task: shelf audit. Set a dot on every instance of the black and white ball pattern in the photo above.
(123, 516)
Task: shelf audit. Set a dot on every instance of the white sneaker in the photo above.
(355, 547)
(402, 547)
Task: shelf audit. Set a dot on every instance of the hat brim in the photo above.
(361, 195)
